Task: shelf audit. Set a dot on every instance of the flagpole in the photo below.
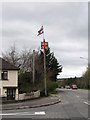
(45, 68)
(43, 36)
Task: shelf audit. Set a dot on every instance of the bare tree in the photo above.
(12, 56)
(26, 61)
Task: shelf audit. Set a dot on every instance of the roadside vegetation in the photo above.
(82, 82)
(24, 60)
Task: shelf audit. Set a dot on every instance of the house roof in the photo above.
(4, 65)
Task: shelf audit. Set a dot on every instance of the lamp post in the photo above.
(88, 72)
(83, 58)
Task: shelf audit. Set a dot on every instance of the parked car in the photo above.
(74, 86)
(67, 87)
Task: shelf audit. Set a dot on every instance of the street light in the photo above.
(83, 58)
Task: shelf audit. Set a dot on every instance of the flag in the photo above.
(44, 45)
(40, 31)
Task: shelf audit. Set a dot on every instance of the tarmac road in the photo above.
(73, 106)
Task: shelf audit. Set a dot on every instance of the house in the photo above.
(8, 80)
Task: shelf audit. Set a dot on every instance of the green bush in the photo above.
(51, 86)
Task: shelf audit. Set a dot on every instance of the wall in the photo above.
(11, 82)
(24, 96)
(12, 79)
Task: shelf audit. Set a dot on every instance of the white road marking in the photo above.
(86, 103)
(23, 113)
(77, 96)
(40, 113)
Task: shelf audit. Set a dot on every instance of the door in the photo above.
(11, 93)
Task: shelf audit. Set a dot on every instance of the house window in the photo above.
(4, 75)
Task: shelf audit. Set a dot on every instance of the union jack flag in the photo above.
(44, 45)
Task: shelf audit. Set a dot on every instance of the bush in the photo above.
(51, 86)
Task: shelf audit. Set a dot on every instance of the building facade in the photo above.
(8, 80)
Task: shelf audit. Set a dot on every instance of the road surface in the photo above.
(73, 106)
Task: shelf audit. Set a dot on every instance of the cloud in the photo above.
(65, 27)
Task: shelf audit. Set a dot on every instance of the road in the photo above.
(73, 106)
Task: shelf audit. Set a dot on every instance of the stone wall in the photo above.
(26, 96)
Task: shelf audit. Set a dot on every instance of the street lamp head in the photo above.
(83, 58)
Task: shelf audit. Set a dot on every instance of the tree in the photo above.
(39, 66)
(52, 66)
(25, 60)
(12, 56)
(25, 82)
(86, 77)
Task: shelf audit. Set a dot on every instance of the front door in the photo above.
(11, 93)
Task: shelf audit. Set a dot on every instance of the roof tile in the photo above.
(4, 65)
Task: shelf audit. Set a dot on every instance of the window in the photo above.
(4, 75)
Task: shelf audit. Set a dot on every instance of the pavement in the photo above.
(40, 102)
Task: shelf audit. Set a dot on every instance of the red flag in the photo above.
(40, 31)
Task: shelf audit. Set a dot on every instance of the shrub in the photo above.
(51, 86)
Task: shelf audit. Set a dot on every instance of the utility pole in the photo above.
(45, 68)
(45, 73)
(33, 66)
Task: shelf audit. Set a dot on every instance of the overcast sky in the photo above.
(65, 27)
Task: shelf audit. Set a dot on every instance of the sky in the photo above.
(65, 27)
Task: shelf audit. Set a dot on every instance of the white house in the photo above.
(8, 80)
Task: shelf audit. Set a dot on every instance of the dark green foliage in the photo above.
(25, 79)
(52, 70)
(81, 82)
(24, 61)
(52, 66)
(51, 86)
(68, 81)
